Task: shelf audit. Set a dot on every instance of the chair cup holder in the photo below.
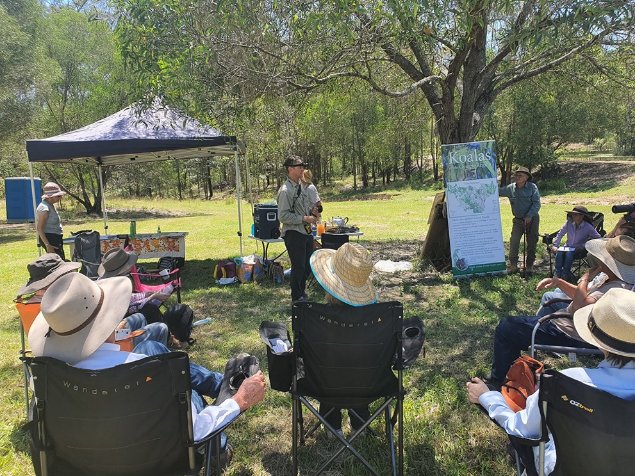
(280, 370)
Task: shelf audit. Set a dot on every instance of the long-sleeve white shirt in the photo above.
(526, 423)
(207, 421)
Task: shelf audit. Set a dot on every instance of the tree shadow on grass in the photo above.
(7, 237)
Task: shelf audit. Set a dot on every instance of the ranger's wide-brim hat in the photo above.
(609, 324)
(580, 210)
(45, 270)
(523, 170)
(345, 273)
(116, 262)
(618, 254)
(77, 315)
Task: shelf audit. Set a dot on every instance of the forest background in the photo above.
(361, 89)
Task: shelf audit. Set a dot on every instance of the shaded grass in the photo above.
(445, 435)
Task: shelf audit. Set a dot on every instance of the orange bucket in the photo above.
(28, 313)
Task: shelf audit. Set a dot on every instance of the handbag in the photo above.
(520, 381)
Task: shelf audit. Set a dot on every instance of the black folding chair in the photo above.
(580, 255)
(592, 429)
(133, 419)
(87, 250)
(345, 357)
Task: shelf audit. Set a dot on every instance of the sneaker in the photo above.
(302, 298)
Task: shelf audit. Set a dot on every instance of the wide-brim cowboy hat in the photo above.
(580, 210)
(523, 170)
(345, 273)
(77, 315)
(618, 254)
(51, 189)
(609, 324)
(44, 271)
(116, 262)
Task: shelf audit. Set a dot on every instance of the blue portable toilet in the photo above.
(19, 199)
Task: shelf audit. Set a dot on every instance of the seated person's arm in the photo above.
(524, 424)
(582, 297)
(251, 392)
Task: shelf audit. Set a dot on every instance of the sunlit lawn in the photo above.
(444, 434)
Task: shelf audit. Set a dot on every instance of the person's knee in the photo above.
(150, 348)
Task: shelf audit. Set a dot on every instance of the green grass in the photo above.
(445, 435)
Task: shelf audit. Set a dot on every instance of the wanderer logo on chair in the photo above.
(577, 404)
(104, 392)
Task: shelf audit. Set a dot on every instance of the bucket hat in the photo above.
(77, 315)
(116, 262)
(580, 210)
(609, 324)
(524, 170)
(345, 273)
(45, 270)
(618, 254)
(51, 189)
(294, 161)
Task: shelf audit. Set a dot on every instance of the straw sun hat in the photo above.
(609, 324)
(116, 262)
(77, 315)
(345, 273)
(45, 270)
(51, 189)
(618, 254)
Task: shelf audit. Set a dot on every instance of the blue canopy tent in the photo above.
(139, 134)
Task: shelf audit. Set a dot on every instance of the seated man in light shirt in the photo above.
(77, 325)
(613, 332)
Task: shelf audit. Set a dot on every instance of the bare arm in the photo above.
(581, 297)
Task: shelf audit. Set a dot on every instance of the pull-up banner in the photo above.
(474, 221)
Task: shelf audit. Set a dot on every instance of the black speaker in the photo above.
(266, 223)
(333, 240)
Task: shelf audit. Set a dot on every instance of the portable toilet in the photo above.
(19, 200)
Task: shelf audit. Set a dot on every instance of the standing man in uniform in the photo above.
(296, 216)
(525, 201)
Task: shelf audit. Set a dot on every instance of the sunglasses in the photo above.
(298, 165)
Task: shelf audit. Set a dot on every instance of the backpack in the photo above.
(520, 381)
(179, 318)
(225, 268)
(170, 263)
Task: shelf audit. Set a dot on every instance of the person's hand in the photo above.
(593, 272)
(123, 324)
(554, 249)
(475, 388)
(310, 219)
(251, 391)
(50, 248)
(544, 284)
(528, 221)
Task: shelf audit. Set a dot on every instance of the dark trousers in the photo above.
(300, 247)
(518, 229)
(57, 241)
(513, 335)
(335, 417)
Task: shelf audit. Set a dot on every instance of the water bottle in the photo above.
(159, 229)
(200, 322)
(133, 228)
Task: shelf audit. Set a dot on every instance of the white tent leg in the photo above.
(239, 200)
(103, 198)
(37, 239)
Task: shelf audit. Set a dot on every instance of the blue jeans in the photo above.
(545, 309)
(513, 335)
(564, 261)
(202, 380)
(157, 331)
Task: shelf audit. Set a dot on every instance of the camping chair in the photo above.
(571, 352)
(580, 255)
(173, 278)
(87, 250)
(133, 419)
(344, 357)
